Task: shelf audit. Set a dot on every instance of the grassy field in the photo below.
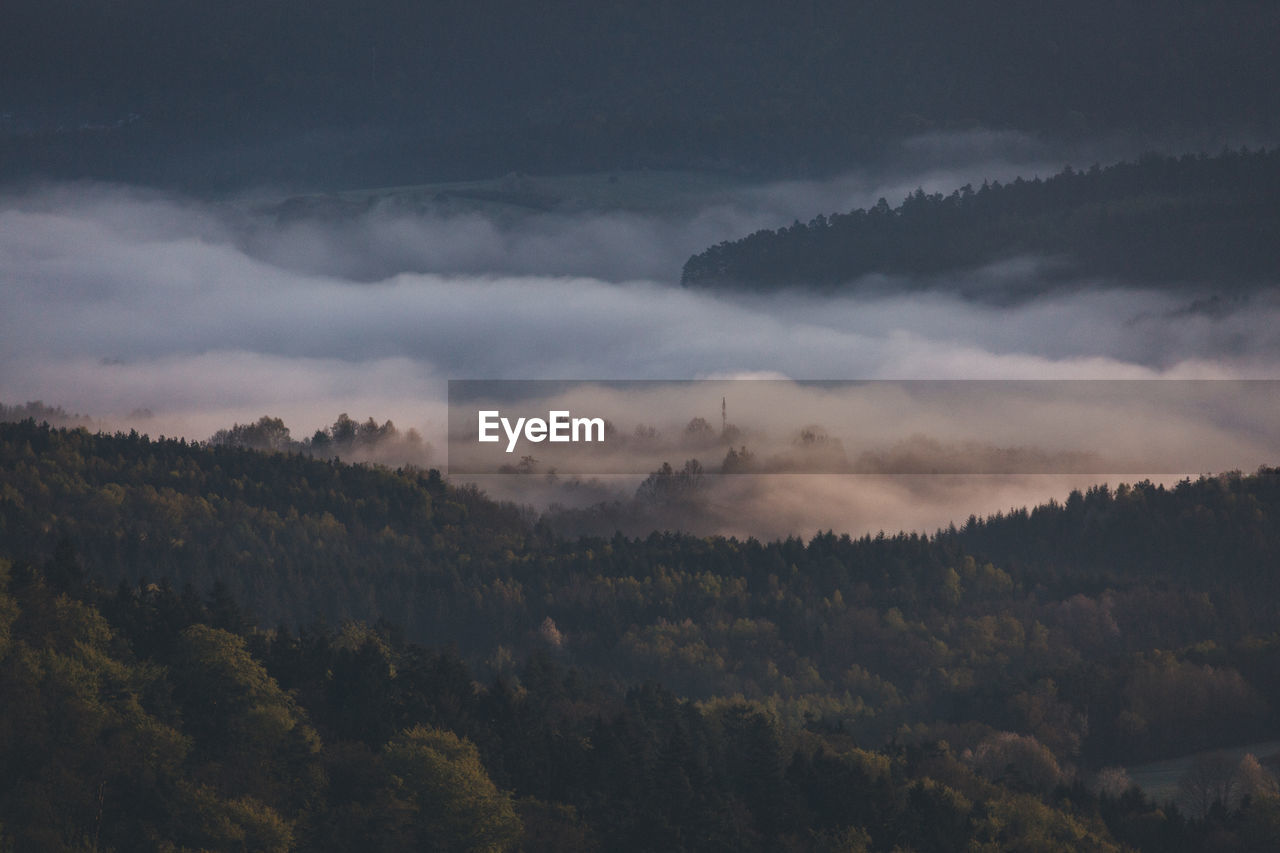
(1159, 779)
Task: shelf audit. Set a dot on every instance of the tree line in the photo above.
(977, 686)
(1192, 220)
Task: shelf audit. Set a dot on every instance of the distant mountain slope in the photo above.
(370, 93)
(1161, 219)
(1115, 595)
(305, 538)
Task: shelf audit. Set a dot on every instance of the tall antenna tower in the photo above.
(724, 416)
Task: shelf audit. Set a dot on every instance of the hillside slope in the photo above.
(1191, 220)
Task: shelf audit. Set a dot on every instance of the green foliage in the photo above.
(250, 734)
(209, 822)
(8, 608)
(664, 693)
(458, 807)
(1017, 761)
(1260, 823)
(1023, 823)
(77, 738)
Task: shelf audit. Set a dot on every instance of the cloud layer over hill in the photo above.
(121, 303)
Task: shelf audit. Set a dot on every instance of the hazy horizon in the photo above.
(201, 314)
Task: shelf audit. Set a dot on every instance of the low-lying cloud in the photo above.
(114, 301)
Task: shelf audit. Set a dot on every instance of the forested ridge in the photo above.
(659, 693)
(1190, 219)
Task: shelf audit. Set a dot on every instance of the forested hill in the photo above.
(378, 92)
(1193, 219)
(304, 540)
(961, 691)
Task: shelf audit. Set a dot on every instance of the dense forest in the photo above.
(343, 93)
(318, 642)
(423, 668)
(1192, 219)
